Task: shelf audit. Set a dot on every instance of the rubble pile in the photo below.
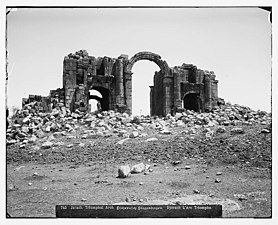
(77, 136)
(27, 124)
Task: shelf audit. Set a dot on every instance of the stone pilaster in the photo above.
(151, 100)
(128, 91)
(207, 92)
(167, 94)
(119, 82)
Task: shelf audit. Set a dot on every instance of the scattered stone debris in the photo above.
(32, 131)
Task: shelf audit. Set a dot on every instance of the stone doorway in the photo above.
(191, 101)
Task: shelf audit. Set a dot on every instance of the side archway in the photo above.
(104, 100)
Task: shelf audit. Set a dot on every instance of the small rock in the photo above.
(127, 199)
(83, 200)
(218, 173)
(265, 131)
(10, 142)
(221, 129)
(138, 168)
(151, 139)
(47, 145)
(84, 136)
(47, 129)
(147, 167)
(187, 167)
(196, 191)
(217, 181)
(211, 195)
(51, 138)
(242, 197)
(29, 184)
(122, 132)
(165, 131)
(124, 171)
(122, 141)
(12, 187)
(134, 134)
(32, 139)
(237, 130)
(176, 162)
(141, 200)
(178, 203)
(141, 183)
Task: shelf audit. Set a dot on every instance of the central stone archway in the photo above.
(147, 56)
(165, 73)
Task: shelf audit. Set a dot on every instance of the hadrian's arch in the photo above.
(173, 87)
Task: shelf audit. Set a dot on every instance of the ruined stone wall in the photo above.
(45, 103)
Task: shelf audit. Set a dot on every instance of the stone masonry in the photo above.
(174, 88)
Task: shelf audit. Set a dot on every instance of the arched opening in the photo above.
(99, 95)
(160, 105)
(191, 102)
(142, 79)
(95, 97)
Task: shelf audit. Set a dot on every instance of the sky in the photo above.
(235, 43)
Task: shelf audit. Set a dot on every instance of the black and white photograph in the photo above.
(122, 111)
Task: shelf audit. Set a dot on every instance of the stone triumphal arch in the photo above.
(176, 87)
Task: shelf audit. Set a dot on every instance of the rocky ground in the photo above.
(222, 157)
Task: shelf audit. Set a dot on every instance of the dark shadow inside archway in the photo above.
(102, 98)
(190, 101)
